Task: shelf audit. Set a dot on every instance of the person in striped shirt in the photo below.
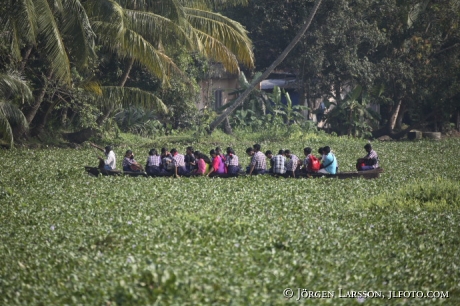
(370, 161)
(153, 163)
(258, 161)
(130, 164)
(178, 161)
(231, 161)
(292, 165)
(279, 163)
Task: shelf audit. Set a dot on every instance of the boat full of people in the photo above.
(171, 163)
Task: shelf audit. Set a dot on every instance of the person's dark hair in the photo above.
(173, 151)
(108, 148)
(368, 146)
(256, 147)
(129, 152)
(287, 152)
(281, 152)
(248, 150)
(268, 152)
(307, 150)
(153, 152)
(321, 150)
(218, 150)
(212, 152)
(163, 150)
(190, 149)
(327, 149)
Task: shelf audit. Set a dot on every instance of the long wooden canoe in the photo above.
(369, 174)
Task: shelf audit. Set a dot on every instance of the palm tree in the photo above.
(12, 86)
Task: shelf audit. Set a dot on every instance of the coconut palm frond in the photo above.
(5, 130)
(53, 44)
(26, 20)
(92, 87)
(156, 28)
(217, 51)
(129, 44)
(10, 114)
(130, 96)
(12, 84)
(229, 32)
(13, 114)
(212, 4)
(78, 27)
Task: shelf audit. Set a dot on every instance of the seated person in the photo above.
(269, 155)
(130, 164)
(153, 163)
(190, 159)
(166, 161)
(218, 165)
(219, 152)
(258, 161)
(249, 152)
(231, 161)
(329, 165)
(110, 162)
(279, 163)
(292, 165)
(178, 163)
(202, 166)
(370, 161)
(310, 163)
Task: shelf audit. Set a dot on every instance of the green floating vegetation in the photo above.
(440, 194)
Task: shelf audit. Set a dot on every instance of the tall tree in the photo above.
(269, 70)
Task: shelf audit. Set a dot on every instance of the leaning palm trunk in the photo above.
(267, 72)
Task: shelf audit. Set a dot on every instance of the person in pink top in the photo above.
(218, 165)
(199, 159)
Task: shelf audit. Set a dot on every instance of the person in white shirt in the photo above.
(110, 162)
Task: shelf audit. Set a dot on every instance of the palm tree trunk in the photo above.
(399, 119)
(125, 76)
(30, 114)
(267, 72)
(122, 83)
(227, 127)
(394, 115)
(25, 58)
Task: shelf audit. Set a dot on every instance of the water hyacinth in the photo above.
(190, 251)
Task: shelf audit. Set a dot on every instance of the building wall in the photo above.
(209, 87)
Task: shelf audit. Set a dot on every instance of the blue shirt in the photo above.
(331, 161)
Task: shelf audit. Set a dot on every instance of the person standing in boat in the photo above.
(370, 161)
(258, 161)
(130, 164)
(178, 163)
(231, 161)
(291, 169)
(329, 162)
(153, 163)
(218, 165)
(110, 162)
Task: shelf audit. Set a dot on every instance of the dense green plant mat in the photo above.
(68, 238)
